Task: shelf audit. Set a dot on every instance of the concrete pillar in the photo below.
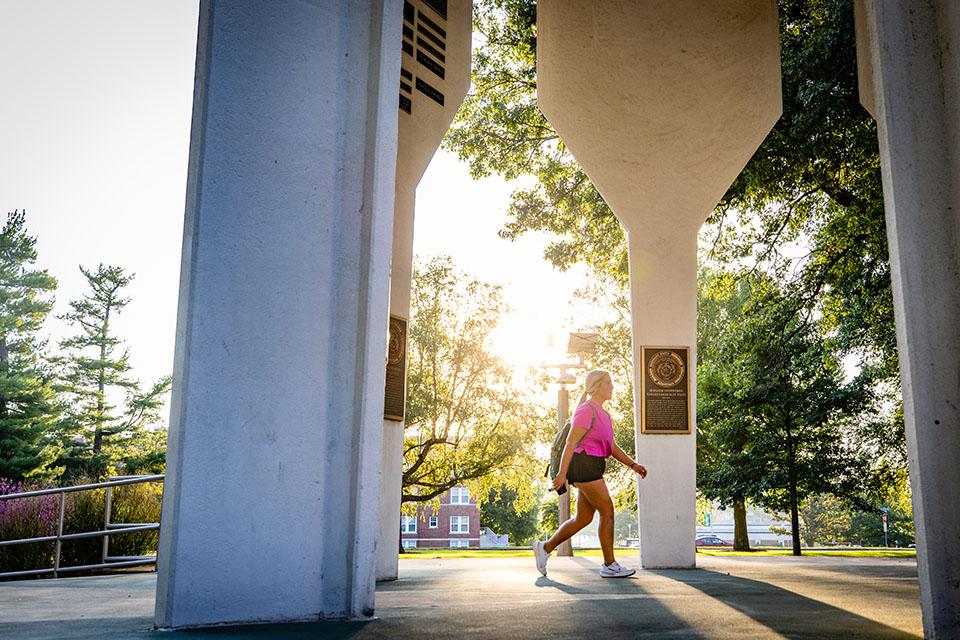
(662, 104)
(434, 78)
(910, 82)
(269, 510)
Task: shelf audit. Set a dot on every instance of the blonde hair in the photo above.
(591, 382)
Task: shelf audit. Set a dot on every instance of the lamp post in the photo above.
(563, 414)
(579, 344)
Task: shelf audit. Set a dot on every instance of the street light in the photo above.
(579, 344)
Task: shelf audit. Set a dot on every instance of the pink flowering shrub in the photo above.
(37, 516)
(27, 518)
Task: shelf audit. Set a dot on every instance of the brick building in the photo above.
(455, 524)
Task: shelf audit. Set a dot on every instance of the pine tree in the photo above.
(28, 409)
(93, 369)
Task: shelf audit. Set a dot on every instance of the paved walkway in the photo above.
(743, 598)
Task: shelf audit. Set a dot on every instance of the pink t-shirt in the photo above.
(598, 441)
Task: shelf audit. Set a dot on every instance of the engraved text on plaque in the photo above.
(394, 398)
(665, 390)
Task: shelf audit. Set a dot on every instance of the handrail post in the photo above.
(108, 505)
(109, 529)
(56, 558)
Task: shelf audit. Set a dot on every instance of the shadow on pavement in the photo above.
(781, 610)
(141, 629)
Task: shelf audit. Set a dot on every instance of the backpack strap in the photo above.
(593, 418)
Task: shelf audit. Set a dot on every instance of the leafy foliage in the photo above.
(806, 213)
(98, 434)
(500, 513)
(84, 511)
(28, 406)
(815, 180)
(774, 412)
(467, 422)
(499, 129)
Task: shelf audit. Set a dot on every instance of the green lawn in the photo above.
(518, 552)
(841, 553)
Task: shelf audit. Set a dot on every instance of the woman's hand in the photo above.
(640, 469)
(559, 481)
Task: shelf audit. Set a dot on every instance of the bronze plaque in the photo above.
(665, 390)
(394, 397)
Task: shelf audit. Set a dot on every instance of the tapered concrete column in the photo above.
(269, 510)
(909, 55)
(434, 78)
(662, 103)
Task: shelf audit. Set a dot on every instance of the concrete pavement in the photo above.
(738, 597)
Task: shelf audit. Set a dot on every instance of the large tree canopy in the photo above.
(807, 208)
(805, 218)
(776, 419)
(814, 180)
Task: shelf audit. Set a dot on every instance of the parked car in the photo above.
(711, 541)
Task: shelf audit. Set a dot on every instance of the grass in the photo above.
(880, 552)
(519, 552)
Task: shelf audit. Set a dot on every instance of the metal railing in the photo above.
(109, 528)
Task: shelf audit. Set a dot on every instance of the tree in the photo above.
(722, 433)
(94, 371)
(500, 514)
(468, 422)
(825, 519)
(783, 418)
(549, 514)
(814, 181)
(816, 176)
(28, 407)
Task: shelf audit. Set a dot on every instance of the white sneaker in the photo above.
(614, 570)
(542, 556)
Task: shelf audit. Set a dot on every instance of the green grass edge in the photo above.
(520, 552)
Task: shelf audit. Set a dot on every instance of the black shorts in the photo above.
(585, 468)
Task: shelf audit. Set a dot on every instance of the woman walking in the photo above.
(589, 444)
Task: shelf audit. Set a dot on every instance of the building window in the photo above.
(459, 495)
(459, 544)
(433, 522)
(459, 524)
(409, 544)
(408, 524)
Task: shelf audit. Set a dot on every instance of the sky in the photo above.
(94, 138)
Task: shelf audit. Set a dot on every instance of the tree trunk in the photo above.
(741, 539)
(792, 489)
(101, 383)
(794, 519)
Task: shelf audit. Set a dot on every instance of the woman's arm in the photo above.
(622, 457)
(573, 439)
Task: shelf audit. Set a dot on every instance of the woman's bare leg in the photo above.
(596, 492)
(584, 516)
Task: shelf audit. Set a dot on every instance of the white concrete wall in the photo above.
(910, 59)
(662, 103)
(420, 133)
(274, 446)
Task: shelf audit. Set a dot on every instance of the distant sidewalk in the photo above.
(725, 598)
